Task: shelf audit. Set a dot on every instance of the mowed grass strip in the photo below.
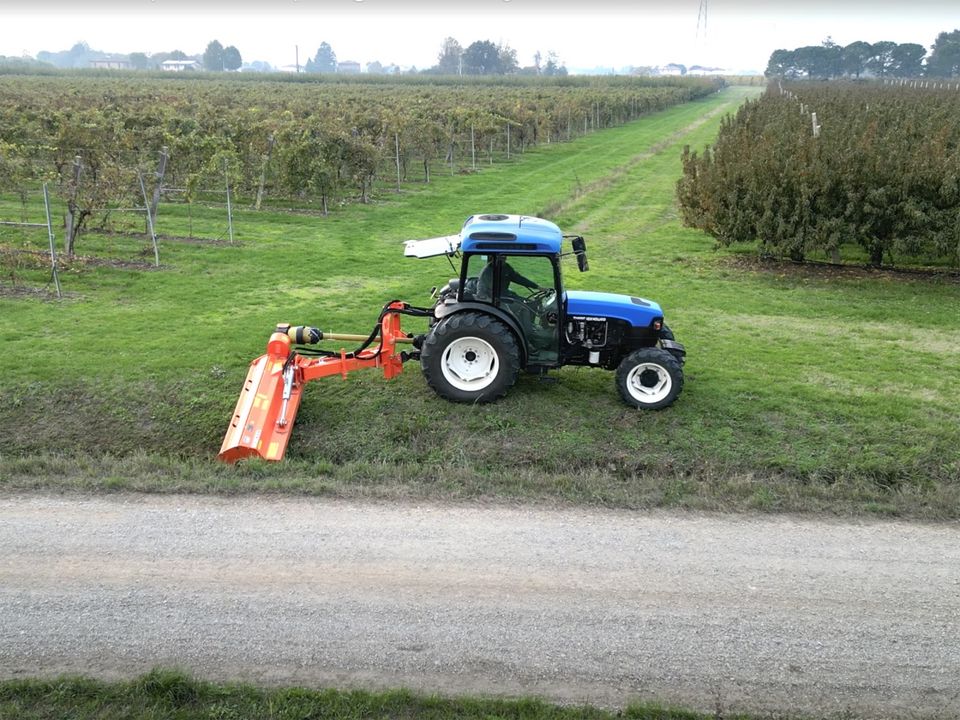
(807, 391)
(166, 694)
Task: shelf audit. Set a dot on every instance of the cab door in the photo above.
(527, 287)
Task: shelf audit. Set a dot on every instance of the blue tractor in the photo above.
(508, 311)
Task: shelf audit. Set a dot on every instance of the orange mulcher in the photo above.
(267, 408)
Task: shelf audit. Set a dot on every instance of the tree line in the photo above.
(818, 168)
(884, 59)
(483, 57)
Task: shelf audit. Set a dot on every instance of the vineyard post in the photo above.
(508, 140)
(396, 142)
(473, 148)
(263, 172)
(53, 244)
(490, 154)
(72, 204)
(226, 179)
(158, 188)
(816, 127)
(146, 205)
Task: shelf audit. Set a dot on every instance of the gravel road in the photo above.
(754, 614)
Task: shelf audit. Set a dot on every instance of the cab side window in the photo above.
(479, 282)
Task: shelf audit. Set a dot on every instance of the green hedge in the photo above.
(883, 173)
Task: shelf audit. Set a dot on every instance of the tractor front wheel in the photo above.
(649, 378)
(470, 357)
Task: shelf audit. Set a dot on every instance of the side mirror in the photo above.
(580, 250)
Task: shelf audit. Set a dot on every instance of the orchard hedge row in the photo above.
(882, 173)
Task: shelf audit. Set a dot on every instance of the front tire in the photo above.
(649, 378)
(471, 358)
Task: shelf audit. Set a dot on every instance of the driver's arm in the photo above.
(512, 276)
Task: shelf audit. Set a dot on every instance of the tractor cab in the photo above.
(511, 269)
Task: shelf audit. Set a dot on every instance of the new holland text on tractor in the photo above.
(507, 311)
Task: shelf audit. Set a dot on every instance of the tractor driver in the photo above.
(509, 276)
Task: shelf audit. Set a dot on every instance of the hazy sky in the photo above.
(739, 34)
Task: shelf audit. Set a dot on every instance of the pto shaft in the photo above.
(304, 335)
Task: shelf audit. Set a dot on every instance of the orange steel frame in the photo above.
(268, 404)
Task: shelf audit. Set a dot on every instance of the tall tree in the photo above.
(481, 58)
(554, 68)
(506, 60)
(781, 64)
(213, 57)
(882, 63)
(325, 61)
(908, 60)
(944, 60)
(231, 58)
(448, 61)
(139, 61)
(818, 61)
(854, 58)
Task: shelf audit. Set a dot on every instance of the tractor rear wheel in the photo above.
(470, 357)
(649, 378)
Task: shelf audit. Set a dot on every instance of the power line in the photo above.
(702, 18)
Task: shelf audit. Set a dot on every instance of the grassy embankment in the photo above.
(172, 695)
(806, 390)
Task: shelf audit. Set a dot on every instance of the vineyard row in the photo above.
(304, 143)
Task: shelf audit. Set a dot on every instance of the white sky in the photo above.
(740, 34)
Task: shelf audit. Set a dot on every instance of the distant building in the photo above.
(179, 65)
(111, 62)
(672, 69)
(348, 67)
(700, 70)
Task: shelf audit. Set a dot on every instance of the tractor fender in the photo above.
(442, 311)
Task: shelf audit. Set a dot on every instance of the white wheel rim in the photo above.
(470, 363)
(649, 383)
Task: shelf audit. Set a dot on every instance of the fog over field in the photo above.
(737, 35)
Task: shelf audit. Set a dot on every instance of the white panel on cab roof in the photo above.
(431, 247)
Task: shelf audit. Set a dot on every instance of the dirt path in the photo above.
(748, 614)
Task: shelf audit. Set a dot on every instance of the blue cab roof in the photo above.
(510, 233)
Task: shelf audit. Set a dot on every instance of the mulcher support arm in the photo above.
(268, 404)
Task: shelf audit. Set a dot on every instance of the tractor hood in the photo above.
(636, 311)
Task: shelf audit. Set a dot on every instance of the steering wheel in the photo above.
(539, 300)
(540, 295)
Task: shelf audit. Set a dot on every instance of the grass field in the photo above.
(807, 389)
(173, 695)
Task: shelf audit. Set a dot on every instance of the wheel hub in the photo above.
(649, 383)
(470, 363)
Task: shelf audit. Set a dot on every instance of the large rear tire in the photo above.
(649, 378)
(470, 357)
